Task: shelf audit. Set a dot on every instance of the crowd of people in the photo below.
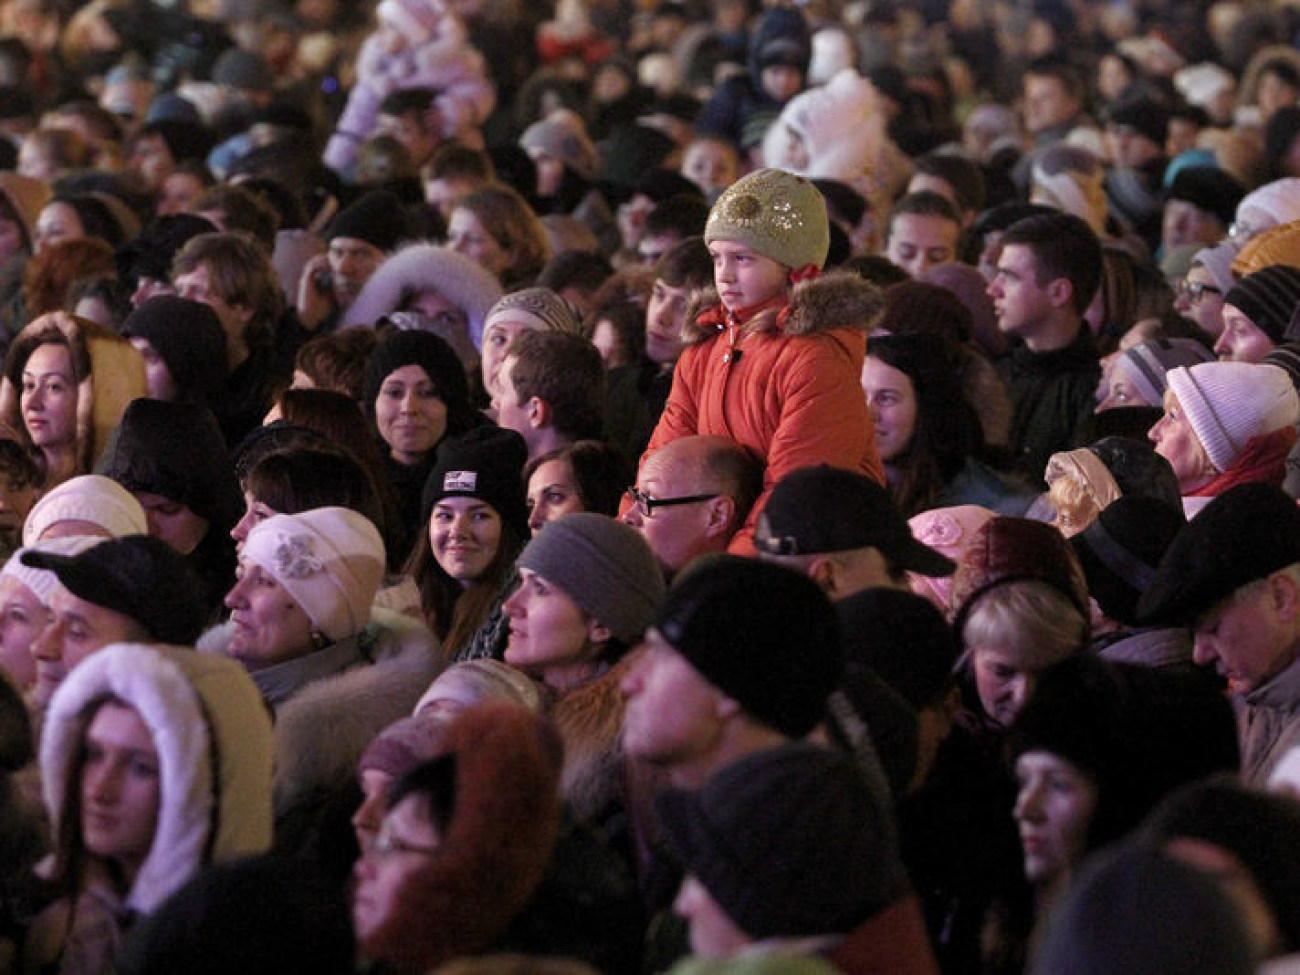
(635, 486)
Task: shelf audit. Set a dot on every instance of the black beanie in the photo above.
(435, 356)
(487, 463)
(1269, 298)
(149, 254)
(1149, 118)
(376, 217)
(1121, 550)
(1210, 189)
(763, 634)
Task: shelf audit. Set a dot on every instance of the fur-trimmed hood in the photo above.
(213, 737)
(502, 831)
(423, 267)
(116, 377)
(321, 731)
(835, 300)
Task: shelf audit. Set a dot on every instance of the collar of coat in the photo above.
(837, 300)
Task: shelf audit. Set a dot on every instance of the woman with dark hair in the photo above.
(66, 384)
(587, 475)
(475, 523)
(417, 395)
(926, 431)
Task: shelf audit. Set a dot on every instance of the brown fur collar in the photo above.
(837, 299)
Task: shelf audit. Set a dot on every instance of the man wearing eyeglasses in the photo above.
(691, 496)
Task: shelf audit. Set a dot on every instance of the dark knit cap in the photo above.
(903, 638)
(1148, 117)
(763, 634)
(188, 336)
(1120, 551)
(185, 140)
(404, 744)
(377, 217)
(1246, 533)
(435, 356)
(486, 463)
(237, 68)
(1259, 829)
(255, 916)
(1269, 298)
(149, 254)
(1139, 733)
(1208, 188)
(1108, 921)
(176, 450)
(604, 566)
(782, 38)
(828, 509)
(139, 576)
(791, 842)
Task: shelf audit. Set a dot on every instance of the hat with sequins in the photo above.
(777, 214)
(538, 308)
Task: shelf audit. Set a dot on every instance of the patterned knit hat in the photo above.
(539, 307)
(777, 214)
(1268, 298)
(563, 135)
(1147, 365)
(1228, 403)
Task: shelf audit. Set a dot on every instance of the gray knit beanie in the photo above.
(602, 565)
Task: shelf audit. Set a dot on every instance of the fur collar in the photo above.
(838, 299)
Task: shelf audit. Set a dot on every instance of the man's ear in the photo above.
(721, 513)
(823, 571)
(1285, 595)
(539, 412)
(1060, 292)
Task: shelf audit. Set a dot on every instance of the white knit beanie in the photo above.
(330, 560)
(1228, 403)
(43, 582)
(91, 498)
(1273, 203)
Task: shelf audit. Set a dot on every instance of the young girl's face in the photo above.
(465, 534)
(744, 277)
(120, 787)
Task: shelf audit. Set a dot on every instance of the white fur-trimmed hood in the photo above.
(213, 737)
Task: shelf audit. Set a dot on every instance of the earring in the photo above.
(319, 641)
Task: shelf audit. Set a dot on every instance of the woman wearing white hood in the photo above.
(156, 762)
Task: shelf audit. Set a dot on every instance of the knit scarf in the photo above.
(1263, 460)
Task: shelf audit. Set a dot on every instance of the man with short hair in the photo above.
(1047, 273)
(924, 230)
(554, 390)
(692, 495)
(672, 221)
(955, 178)
(844, 532)
(1233, 575)
(1054, 93)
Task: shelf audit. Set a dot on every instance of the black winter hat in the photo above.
(1269, 298)
(1208, 188)
(139, 576)
(1246, 533)
(149, 254)
(376, 217)
(1121, 549)
(176, 450)
(487, 463)
(791, 842)
(763, 634)
(1149, 118)
(1137, 469)
(188, 336)
(903, 638)
(436, 357)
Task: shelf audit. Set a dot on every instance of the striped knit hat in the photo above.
(1146, 365)
(1228, 403)
(1268, 298)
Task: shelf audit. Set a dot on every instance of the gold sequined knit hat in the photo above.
(777, 214)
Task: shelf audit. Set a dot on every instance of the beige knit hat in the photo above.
(777, 214)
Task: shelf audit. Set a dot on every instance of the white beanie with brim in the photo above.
(329, 560)
(1228, 403)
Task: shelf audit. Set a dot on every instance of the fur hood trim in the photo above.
(321, 731)
(116, 377)
(421, 267)
(498, 844)
(836, 300)
(213, 737)
(590, 719)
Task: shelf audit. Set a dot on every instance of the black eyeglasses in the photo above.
(1193, 291)
(646, 504)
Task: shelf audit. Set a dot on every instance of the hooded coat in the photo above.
(213, 738)
(792, 395)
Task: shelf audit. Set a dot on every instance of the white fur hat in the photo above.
(1228, 403)
(91, 498)
(330, 560)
